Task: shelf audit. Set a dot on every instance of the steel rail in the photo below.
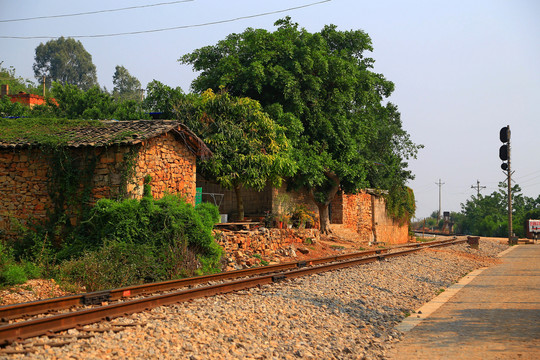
(43, 326)
(14, 311)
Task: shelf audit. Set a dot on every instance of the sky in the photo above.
(462, 69)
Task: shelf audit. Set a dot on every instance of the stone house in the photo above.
(106, 159)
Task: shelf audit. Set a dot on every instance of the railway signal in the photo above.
(504, 150)
(504, 155)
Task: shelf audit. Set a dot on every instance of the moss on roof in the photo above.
(62, 132)
(54, 132)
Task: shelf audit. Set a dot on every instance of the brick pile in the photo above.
(268, 244)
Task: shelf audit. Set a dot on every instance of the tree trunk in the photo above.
(239, 203)
(324, 218)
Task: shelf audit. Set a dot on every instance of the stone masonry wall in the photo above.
(24, 177)
(240, 246)
(171, 165)
(23, 188)
(357, 214)
(386, 229)
(366, 214)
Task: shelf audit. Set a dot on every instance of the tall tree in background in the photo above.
(320, 87)
(163, 99)
(126, 86)
(64, 61)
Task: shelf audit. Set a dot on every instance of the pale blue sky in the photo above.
(462, 69)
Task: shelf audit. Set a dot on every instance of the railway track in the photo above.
(125, 304)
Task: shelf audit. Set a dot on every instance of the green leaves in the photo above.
(321, 89)
(488, 215)
(126, 86)
(249, 148)
(65, 61)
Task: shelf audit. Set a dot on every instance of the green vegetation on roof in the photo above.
(54, 132)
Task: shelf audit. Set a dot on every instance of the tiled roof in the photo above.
(119, 132)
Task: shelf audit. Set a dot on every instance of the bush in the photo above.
(115, 264)
(13, 275)
(129, 242)
(31, 270)
(209, 214)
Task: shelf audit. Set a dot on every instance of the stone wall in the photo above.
(354, 211)
(366, 214)
(23, 188)
(281, 196)
(25, 174)
(386, 229)
(171, 165)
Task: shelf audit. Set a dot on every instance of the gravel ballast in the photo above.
(343, 314)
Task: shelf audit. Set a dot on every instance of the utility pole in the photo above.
(478, 187)
(43, 85)
(439, 213)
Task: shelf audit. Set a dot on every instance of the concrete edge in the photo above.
(510, 248)
(428, 308)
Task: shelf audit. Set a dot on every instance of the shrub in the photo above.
(131, 242)
(115, 264)
(13, 275)
(31, 270)
(209, 214)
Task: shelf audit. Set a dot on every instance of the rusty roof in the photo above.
(112, 132)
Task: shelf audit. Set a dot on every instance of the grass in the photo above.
(42, 131)
(337, 247)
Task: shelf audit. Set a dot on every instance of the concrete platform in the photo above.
(492, 313)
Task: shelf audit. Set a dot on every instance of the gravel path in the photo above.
(344, 314)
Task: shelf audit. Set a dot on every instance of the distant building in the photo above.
(23, 98)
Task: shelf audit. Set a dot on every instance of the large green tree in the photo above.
(162, 99)
(249, 149)
(126, 86)
(65, 61)
(321, 87)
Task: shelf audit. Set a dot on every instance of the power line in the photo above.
(529, 174)
(170, 28)
(95, 12)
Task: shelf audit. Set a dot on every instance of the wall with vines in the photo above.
(52, 186)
